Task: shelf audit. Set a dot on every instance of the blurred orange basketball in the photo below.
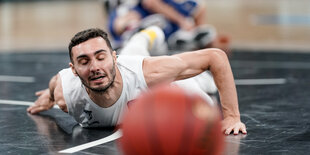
(167, 120)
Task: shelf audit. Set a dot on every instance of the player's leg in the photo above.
(191, 85)
(144, 42)
(200, 13)
(206, 82)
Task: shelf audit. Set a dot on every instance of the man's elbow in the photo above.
(216, 55)
(217, 58)
(62, 105)
(219, 53)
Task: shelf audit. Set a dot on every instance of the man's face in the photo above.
(94, 64)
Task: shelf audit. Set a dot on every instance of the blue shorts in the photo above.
(186, 8)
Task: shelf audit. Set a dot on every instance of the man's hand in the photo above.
(43, 102)
(187, 24)
(231, 124)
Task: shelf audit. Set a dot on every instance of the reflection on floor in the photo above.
(276, 114)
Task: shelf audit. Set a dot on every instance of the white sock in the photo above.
(146, 41)
(137, 45)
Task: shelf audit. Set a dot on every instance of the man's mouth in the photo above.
(96, 78)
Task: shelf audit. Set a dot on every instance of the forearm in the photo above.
(56, 94)
(52, 86)
(223, 77)
(224, 80)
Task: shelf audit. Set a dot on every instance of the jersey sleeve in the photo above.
(134, 64)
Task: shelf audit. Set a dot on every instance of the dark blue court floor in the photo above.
(273, 91)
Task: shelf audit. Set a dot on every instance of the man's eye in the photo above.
(83, 61)
(100, 57)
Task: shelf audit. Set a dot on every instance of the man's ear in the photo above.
(114, 56)
(73, 69)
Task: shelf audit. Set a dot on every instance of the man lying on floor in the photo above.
(98, 86)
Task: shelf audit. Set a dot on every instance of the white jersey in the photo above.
(89, 114)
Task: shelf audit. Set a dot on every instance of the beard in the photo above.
(101, 89)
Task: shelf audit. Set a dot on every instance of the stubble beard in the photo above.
(104, 88)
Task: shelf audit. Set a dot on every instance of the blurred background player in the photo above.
(183, 21)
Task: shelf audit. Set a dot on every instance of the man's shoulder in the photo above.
(131, 69)
(122, 58)
(130, 62)
(68, 79)
(65, 71)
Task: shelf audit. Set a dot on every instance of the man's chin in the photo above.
(99, 88)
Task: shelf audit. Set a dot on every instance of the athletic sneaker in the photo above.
(198, 38)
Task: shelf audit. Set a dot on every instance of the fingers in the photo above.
(32, 109)
(39, 105)
(39, 93)
(29, 109)
(236, 129)
(228, 131)
(36, 109)
(243, 129)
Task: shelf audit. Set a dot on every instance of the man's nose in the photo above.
(94, 66)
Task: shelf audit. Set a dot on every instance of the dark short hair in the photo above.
(85, 35)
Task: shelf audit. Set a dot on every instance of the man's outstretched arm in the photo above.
(47, 98)
(189, 64)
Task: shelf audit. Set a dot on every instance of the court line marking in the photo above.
(24, 79)
(270, 64)
(260, 81)
(25, 103)
(107, 139)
